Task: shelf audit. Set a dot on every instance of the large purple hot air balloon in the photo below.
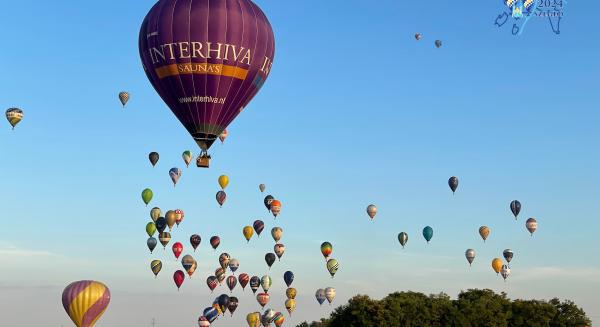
(207, 60)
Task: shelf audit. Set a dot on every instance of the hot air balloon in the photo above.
(223, 301)
(234, 264)
(223, 181)
(123, 97)
(291, 293)
(175, 174)
(438, 43)
(151, 243)
(254, 283)
(212, 282)
(195, 241)
(427, 233)
(453, 181)
(211, 314)
(330, 294)
(189, 264)
(332, 266)
(270, 259)
(177, 249)
(372, 211)
(508, 255)
(279, 250)
(290, 306)
(288, 278)
(262, 188)
(155, 213)
(263, 299)
(209, 78)
(147, 196)
(320, 295)
(243, 278)
(231, 282)
(470, 255)
(203, 322)
(223, 136)
(248, 231)
(418, 36)
(275, 208)
(161, 224)
(276, 233)
(214, 242)
(153, 157)
(515, 207)
(14, 116)
(150, 229)
(326, 249)
(187, 157)
(268, 200)
(179, 214)
(253, 319)
(267, 317)
(224, 260)
(497, 265)
(220, 274)
(171, 219)
(85, 301)
(403, 239)
(233, 304)
(278, 319)
(221, 197)
(178, 278)
(164, 238)
(531, 225)
(265, 283)
(505, 272)
(258, 225)
(156, 267)
(484, 232)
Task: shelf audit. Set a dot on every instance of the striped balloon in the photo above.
(85, 302)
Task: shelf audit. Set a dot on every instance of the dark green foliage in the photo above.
(472, 308)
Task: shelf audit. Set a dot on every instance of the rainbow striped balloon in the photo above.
(85, 302)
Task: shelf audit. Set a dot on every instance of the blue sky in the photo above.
(388, 121)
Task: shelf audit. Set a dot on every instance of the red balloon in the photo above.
(244, 279)
(178, 278)
(215, 241)
(231, 282)
(177, 249)
(263, 299)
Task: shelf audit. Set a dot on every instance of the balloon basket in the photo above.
(203, 162)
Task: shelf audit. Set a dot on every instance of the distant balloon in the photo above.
(156, 267)
(288, 278)
(215, 241)
(320, 295)
(267, 317)
(14, 116)
(223, 136)
(220, 274)
(372, 211)
(221, 197)
(211, 314)
(177, 249)
(290, 306)
(505, 272)
(275, 208)
(178, 278)
(403, 239)
(164, 238)
(515, 207)
(326, 249)
(233, 304)
(332, 266)
(155, 213)
(263, 299)
(124, 98)
(470, 255)
(330, 294)
(171, 219)
(161, 224)
(85, 301)
(262, 187)
(234, 264)
(254, 283)
(497, 265)
(151, 243)
(248, 231)
(253, 319)
(223, 181)
(231, 282)
(270, 259)
(484, 232)
(175, 174)
(276, 233)
(243, 278)
(195, 241)
(223, 301)
(153, 157)
(212, 282)
(147, 196)
(265, 283)
(418, 36)
(531, 225)
(187, 157)
(508, 255)
(278, 319)
(438, 43)
(428, 233)
(268, 200)
(150, 229)
(453, 182)
(189, 264)
(279, 250)
(203, 322)
(224, 259)
(179, 214)
(291, 293)
(258, 225)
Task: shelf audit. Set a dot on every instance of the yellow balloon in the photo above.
(290, 305)
(484, 232)
(497, 265)
(253, 319)
(291, 293)
(223, 181)
(248, 232)
(171, 218)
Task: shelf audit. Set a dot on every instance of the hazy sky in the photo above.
(355, 112)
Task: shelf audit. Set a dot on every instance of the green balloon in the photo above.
(147, 195)
(151, 229)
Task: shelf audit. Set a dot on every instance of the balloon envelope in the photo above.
(332, 266)
(147, 195)
(178, 278)
(470, 255)
(531, 225)
(124, 98)
(262, 187)
(403, 239)
(288, 278)
(372, 211)
(320, 296)
(515, 208)
(453, 182)
(215, 241)
(151, 243)
(14, 116)
(484, 232)
(195, 241)
(428, 233)
(187, 157)
(248, 231)
(223, 181)
(85, 302)
(258, 225)
(221, 197)
(326, 249)
(153, 157)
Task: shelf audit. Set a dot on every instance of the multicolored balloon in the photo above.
(221, 197)
(372, 211)
(403, 239)
(277, 233)
(224, 260)
(231, 283)
(153, 157)
(268, 200)
(484, 232)
(189, 264)
(326, 249)
(220, 274)
(258, 225)
(332, 266)
(515, 208)
(428, 233)
(243, 278)
(278, 319)
(156, 267)
(279, 250)
(187, 157)
(195, 241)
(267, 317)
(470, 255)
(179, 215)
(531, 225)
(203, 322)
(330, 294)
(263, 299)
(320, 296)
(212, 282)
(508, 255)
(123, 97)
(155, 213)
(418, 36)
(223, 136)
(265, 283)
(214, 242)
(147, 196)
(234, 264)
(175, 174)
(254, 283)
(505, 272)
(14, 116)
(275, 208)
(85, 301)
(233, 304)
(164, 238)
(211, 314)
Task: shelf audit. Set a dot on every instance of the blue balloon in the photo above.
(288, 277)
(320, 295)
(428, 233)
(211, 314)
